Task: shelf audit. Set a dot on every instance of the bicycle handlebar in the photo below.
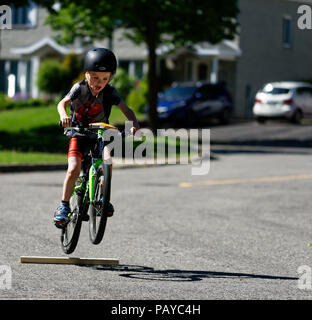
(87, 129)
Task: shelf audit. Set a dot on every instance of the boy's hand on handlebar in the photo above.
(66, 121)
(136, 134)
(135, 131)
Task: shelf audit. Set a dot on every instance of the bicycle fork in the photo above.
(92, 175)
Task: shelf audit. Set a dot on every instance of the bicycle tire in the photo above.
(98, 209)
(71, 232)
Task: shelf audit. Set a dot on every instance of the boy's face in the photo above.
(97, 80)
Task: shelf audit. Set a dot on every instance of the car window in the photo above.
(275, 90)
(177, 93)
(305, 91)
(209, 91)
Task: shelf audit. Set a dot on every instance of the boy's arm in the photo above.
(61, 108)
(130, 116)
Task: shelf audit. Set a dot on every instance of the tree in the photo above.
(157, 22)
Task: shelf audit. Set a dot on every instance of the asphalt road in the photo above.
(239, 232)
(271, 134)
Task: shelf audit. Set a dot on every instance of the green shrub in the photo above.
(52, 77)
(7, 103)
(80, 77)
(137, 98)
(123, 83)
(73, 66)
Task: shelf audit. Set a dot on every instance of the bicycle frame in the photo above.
(87, 194)
(95, 161)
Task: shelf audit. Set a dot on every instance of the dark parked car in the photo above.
(189, 103)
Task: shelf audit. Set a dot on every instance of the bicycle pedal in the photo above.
(60, 225)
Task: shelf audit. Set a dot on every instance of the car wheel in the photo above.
(224, 117)
(261, 120)
(192, 119)
(297, 117)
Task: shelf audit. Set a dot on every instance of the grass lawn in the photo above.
(33, 134)
(30, 118)
(14, 157)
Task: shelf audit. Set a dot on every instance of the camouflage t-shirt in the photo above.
(86, 108)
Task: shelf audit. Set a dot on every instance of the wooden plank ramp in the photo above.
(69, 260)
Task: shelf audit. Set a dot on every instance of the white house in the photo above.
(270, 47)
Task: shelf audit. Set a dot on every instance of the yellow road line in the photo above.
(236, 181)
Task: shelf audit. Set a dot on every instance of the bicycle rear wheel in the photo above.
(98, 207)
(70, 234)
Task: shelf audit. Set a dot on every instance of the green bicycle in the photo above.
(91, 197)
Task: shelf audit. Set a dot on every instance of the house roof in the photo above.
(223, 50)
(45, 44)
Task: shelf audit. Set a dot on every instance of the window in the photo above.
(2, 76)
(189, 71)
(304, 91)
(124, 64)
(274, 90)
(202, 71)
(25, 16)
(210, 91)
(178, 93)
(139, 69)
(287, 32)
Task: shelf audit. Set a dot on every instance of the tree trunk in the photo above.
(152, 78)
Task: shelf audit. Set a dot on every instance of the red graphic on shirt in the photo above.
(90, 116)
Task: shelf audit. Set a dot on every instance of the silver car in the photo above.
(288, 100)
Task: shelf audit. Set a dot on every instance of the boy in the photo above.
(90, 101)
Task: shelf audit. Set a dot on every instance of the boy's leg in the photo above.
(61, 215)
(73, 171)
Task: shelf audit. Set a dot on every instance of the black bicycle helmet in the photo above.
(100, 60)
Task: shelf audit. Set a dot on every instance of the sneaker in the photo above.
(61, 216)
(110, 209)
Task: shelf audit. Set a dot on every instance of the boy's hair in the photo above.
(100, 60)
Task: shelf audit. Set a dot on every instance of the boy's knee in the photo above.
(73, 171)
(74, 166)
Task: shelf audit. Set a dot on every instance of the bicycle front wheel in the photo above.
(99, 205)
(70, 234)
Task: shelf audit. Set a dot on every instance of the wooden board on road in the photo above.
(70, 260)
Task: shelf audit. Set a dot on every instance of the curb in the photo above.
(29, 167)
(32, 167)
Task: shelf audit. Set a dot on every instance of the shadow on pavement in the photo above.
(148, 273)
